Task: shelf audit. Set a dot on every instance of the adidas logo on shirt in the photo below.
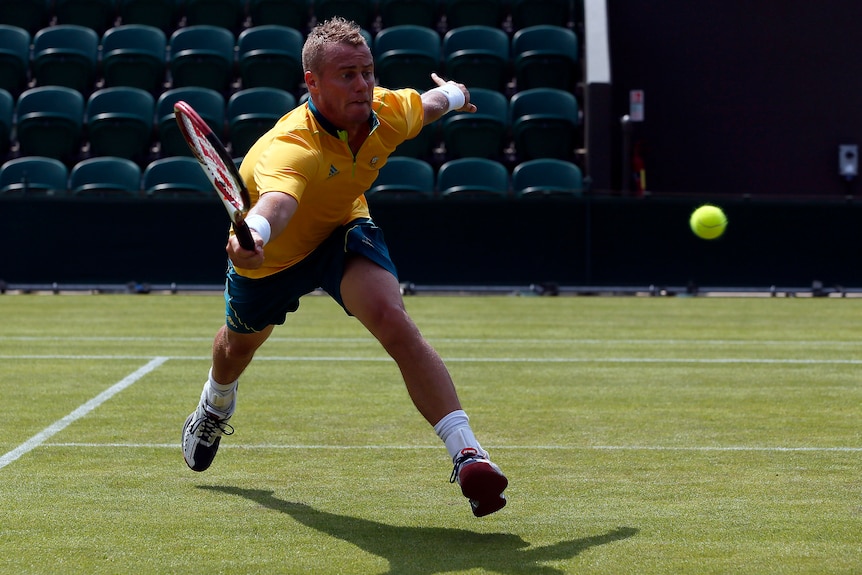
(332, 170)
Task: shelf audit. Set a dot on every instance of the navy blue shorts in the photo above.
(253, 304)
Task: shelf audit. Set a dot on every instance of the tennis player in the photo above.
(312, 229)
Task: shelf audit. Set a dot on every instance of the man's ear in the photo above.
(310, 81)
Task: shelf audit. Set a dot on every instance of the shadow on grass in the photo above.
(429, 550)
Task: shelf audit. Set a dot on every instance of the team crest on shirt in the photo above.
(332, 170)
(374, 162)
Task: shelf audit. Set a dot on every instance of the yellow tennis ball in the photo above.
(708, 222)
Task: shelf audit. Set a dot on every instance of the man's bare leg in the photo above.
(232, 353)
(373, 295)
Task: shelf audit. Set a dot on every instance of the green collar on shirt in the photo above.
(373, 122)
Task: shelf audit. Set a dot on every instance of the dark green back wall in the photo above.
(602, 242)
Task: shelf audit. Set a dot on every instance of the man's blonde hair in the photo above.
(337, 30)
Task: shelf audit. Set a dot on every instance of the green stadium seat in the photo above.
(227, 14)
(176, 177)
(545, 57)
(134, 55)
(270, 56)
(477, 56)
(547, 177)
(526, 13)
(209, 104)
(50, 122)
(473, 178)
(363, 12)
(413, 12)
(403, 177)
(34, 175)
(202, 56)
(481, 134)
(252, 112)
(105, 176)
(31, 15)
(544, 123)
(7, 113)
(14, 58)
(161, 14)
(119, 122)
(291, 13)
(66, 55)
(461, 13)
(98, 15)
(406, 55)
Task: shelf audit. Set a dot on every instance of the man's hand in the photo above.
(277, 208)
(242, 258)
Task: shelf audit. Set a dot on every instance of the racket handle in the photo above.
(243, 234)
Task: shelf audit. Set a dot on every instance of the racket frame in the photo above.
(219, 168)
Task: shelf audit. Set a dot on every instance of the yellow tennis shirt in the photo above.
(304, 156)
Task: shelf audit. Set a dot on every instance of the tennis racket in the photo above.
(219, 168)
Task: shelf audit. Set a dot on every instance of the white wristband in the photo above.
(454, 94)
(261, 225)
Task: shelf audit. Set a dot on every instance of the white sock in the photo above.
(454, 429)
(220, 396)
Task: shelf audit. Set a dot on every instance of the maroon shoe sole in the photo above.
(483, 484)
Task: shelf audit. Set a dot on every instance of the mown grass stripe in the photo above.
(265, 446)
(623, 360)
(446, 340)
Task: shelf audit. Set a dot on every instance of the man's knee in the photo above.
(394, 327)
(240, 345)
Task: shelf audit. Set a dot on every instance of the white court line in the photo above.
(82, 411)
(777, 449)
(683, 360)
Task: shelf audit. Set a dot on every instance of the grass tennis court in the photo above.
(640, 435)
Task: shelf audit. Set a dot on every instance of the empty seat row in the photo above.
(478, 56)
(400, 178)
(143, 57)
(535, 123)
(212, 57)
(56, 121)
(475, 178)
(106, 176)
(167, 15)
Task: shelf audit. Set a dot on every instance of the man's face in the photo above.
(343, 89)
